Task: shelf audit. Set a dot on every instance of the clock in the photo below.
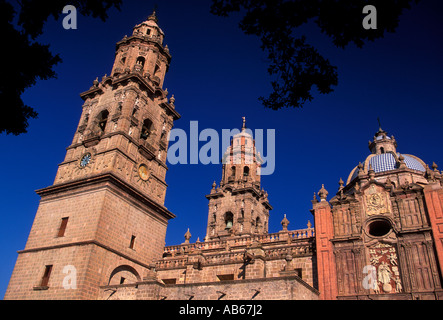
(143, 172)
(85, 160)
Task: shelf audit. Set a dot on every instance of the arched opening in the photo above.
(246, 171)
(140, 61)
(382, 150)
(232, 171)
(156, 70)
(257, 223)
(229, 220)
(146, 129)
(123, 274)
(103, 120)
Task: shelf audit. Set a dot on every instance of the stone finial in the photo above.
(244, 124)
(309, 224)
(187, 236)
(323, 193)
(360, 169)
(153, 17)
(340, 183)
(214, 185)
(172, 100)
(371, 172)
(434, 166)
(314, 199)
(285, 223)
(402, 165)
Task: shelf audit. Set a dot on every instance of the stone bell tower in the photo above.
(103, 220)
(238, 206)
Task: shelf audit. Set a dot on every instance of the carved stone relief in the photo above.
(376, 202)
(384, 258)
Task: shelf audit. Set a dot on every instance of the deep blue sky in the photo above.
(217, 73)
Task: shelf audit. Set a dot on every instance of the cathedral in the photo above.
(99, 232)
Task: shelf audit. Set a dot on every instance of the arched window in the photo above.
(123, 274)
(232, 171)
(246, 171)
(229, 220)
(146, 129)
(257, 223)
(86, 119)
(140, 61)
(382, 150)
(103, 120)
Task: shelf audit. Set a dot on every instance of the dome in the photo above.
(386, 162)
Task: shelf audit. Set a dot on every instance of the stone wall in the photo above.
(282, 288)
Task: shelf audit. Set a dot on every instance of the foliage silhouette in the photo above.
(296, 66)
(25, 59)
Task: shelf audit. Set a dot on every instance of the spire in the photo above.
(285, 223)
(153, 16)
(187, 237)
(323, 193)
(241, 161)
(382, 143)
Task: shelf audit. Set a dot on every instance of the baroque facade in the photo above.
(103, 221)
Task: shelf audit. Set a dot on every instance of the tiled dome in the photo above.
(387, 162)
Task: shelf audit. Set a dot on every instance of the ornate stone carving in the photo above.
(376, 202)
(384, 258)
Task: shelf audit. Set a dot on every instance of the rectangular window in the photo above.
(169, 281)
(298, 272)
(62, 229)
(131, 244)
(225, 277)
(46, 275)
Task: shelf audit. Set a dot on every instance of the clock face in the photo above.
(85, 160)
(143, 172)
